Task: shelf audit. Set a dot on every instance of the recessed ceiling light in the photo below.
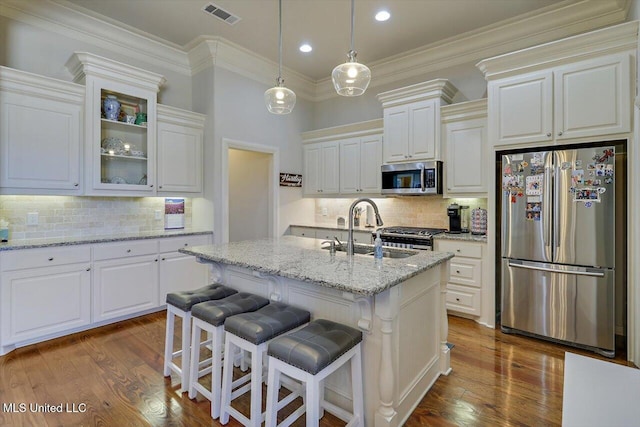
(383, 15)
(306, 48)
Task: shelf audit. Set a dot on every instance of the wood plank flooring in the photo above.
(116, 371)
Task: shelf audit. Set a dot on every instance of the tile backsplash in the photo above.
(68, 216)
(428, 211)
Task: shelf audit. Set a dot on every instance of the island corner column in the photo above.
(445, 356)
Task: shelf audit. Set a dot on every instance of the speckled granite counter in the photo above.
(399, 304)
(303, 259)
(468, 237)
(69, 241)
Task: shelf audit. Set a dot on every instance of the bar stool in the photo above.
(252, 332)
(211, 316)
(179, 304)
(310, 355)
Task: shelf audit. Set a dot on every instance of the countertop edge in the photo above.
(100, 239)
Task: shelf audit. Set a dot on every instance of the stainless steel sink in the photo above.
(368, 250)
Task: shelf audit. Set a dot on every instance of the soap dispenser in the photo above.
(377, 249)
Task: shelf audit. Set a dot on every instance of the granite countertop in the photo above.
(302, 259)
(69, 241)
(468, 237)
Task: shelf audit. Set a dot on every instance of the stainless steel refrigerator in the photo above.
(560, 244)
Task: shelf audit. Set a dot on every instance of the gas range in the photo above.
(409, 237)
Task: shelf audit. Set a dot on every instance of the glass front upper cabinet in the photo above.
(120, 114)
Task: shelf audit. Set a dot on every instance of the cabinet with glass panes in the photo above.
(124, 146)
(120, 150)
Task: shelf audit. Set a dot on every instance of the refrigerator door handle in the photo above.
(556, 206)
(546, 206)
(556, 270)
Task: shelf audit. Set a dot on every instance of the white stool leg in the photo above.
(273, 381)
(227, 380)
(168, 342)
(356, 386)
(186, 351)
(194, 360)
(216, 370)
(312, 401)
(256, 388)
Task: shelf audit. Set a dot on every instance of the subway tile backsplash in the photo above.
(69, 216)
(428, 211)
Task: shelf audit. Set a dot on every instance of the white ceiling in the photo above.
(325, 24)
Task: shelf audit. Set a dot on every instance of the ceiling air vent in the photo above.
(220, 13)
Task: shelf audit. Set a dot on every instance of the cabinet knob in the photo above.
(164, 259)
(457, 250)
(128, 251)
(88, 268)
(151, 186)
(156, 260)
(76, 184)
(159, 186)
(458, 271)
(560, 133)
(458, 299)
(186, 244)
(548, 134)
(51, 259)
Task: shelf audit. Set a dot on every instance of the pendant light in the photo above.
(351, 78)
(279, 99)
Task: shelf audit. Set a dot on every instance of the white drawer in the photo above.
(172, 244)
(361, 236)
(471, 250)
(326, 234)
(465, 271)
(463, 299)
(45, 257)
(124, 249)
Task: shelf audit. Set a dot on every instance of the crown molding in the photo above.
(464, 111)
(77, 23)
(82, 64)
(25, 83)
(178, 116)
(615, 39)
(205, 52)
(438, 88)
(552, 23)
(351, 130)
(564, 19)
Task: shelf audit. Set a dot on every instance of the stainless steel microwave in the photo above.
(412, 179)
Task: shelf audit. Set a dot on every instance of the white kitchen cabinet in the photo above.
(360, 161)
(412, 120)
(321, 166)
(180, 150)
(125, 278)
(120, 157)
(44, 292)
(464, 128)
(40, 134)
(464, 289)
(179, 272)
(302, 231)
(581, 99)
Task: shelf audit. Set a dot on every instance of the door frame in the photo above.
(273, 184)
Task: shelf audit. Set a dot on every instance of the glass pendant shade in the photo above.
(279, 99)
(351, 78)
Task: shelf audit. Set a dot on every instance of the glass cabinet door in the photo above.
(124, 141)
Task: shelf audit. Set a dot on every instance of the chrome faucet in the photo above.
(351, 213)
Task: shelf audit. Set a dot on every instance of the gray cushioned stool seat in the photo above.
(315, 346)
(186, 299)
(267, 323)
(216, 312)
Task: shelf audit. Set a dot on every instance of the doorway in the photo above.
(250, 191)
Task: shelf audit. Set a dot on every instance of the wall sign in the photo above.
(290, 180)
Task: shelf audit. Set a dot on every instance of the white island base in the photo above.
(405, 334)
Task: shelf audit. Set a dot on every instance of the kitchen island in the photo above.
(398, 303)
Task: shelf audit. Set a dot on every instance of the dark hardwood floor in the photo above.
(116, 371)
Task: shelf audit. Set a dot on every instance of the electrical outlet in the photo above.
(158, 214)
(32, 218)
(325, 212)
